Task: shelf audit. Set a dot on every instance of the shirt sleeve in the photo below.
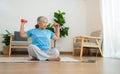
(29, 33)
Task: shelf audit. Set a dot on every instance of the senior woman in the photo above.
(41, 37)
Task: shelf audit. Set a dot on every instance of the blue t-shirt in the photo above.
(41, 38)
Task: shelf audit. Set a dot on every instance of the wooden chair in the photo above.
(17, 42)
(81, 42)
(76, 45)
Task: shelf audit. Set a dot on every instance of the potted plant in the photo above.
(6, 41)
(59, 18)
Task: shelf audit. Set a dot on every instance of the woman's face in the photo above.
(43, 23)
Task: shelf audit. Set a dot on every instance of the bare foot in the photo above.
(54, 58)
(31, 58)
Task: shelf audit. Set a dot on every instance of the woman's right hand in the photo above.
(23, 21)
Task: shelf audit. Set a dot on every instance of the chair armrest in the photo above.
(76, 39)
(79, 39)
(90, 37)
(11, 38)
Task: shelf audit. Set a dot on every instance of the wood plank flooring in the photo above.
(102, 66)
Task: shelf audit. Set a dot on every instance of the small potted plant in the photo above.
(6, 41)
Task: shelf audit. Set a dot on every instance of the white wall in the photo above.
(11, 11)
(93, 16)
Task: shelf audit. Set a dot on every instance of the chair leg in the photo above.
(81, 52)
(73, 52)
(100, 51)
(9, 51)
(99, 48)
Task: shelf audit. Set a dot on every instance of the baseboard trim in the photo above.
(25, 52)
(66, 53)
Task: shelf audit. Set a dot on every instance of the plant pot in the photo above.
(5, 50)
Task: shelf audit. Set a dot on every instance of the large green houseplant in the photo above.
(60, 19)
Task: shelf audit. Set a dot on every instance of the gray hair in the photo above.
(40, 18)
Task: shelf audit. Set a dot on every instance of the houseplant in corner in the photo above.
(6, 41)
(59, 18)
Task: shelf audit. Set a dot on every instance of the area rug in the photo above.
(26, 59)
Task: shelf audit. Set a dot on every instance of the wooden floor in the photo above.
(102, 66)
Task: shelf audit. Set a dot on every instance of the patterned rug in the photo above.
(26, 59)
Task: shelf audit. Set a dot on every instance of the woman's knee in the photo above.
(31, 48)
(31, 51)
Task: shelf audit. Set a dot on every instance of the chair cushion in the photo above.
(78, 44)
(89, 43)
(17, 37)
(20, 43)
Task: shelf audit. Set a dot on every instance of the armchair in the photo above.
(81, 42)
(17, 42)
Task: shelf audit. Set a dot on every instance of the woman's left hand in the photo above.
(56, 25)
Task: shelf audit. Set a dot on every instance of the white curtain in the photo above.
(111, 28)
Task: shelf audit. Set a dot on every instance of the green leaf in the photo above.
(63, 13)
(49, 27)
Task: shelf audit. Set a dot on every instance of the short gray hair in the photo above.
(40, 18)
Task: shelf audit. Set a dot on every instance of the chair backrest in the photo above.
(96, 33)
(17, 37)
